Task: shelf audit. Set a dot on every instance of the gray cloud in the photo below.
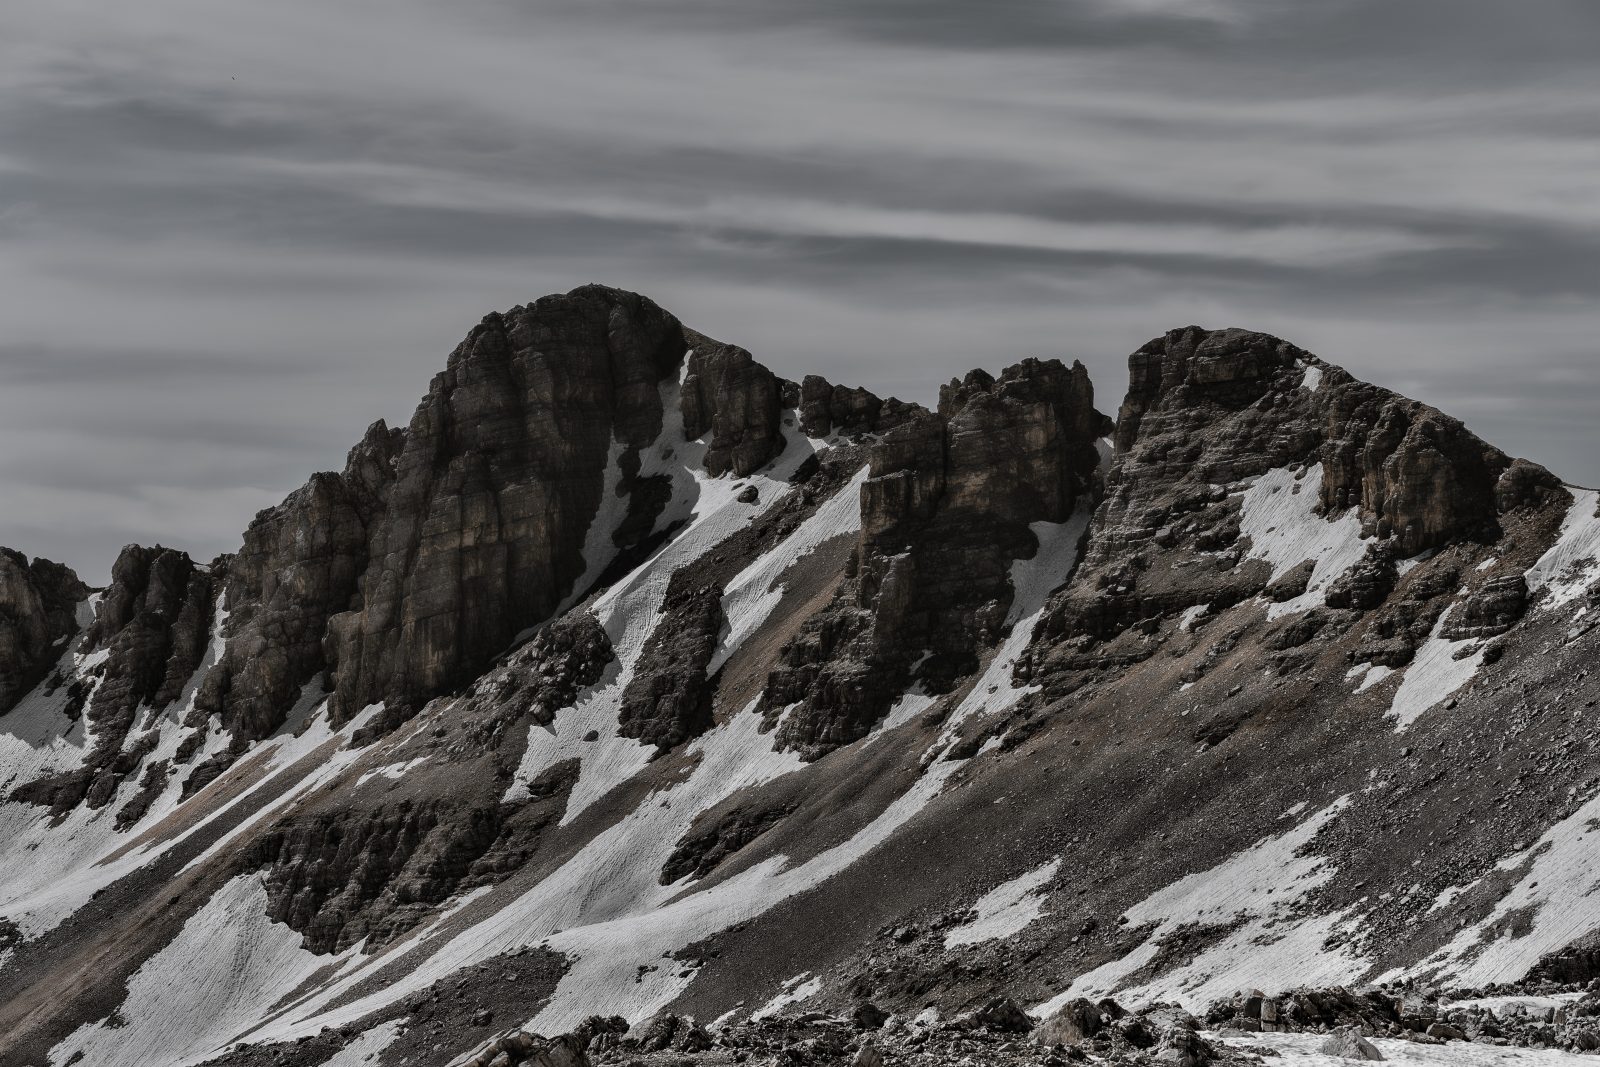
(232, 235)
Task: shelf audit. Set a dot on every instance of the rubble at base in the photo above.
(1526, 1015)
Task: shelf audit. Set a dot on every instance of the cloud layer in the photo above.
(231, 234)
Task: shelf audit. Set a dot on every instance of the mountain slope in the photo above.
(630, 676)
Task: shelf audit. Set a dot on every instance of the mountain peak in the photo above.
(631, 679)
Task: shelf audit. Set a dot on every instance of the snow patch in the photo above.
(1270, 945)
(1278, 514)
(630, 610)
(1552, 905)
(1434, 674)
(1032, 582)
(204, 990)
(752, 595)
(800, 987)
(1006, 909)
(1572, 564)
(1369, 673)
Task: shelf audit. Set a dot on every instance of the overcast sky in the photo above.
(232, 234)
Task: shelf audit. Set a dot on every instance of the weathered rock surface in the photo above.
(38, 610)
(945, 512)
(152, 623)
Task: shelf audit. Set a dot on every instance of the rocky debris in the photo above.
(1001, 1014)
(519, 1047)
(666, 1031)
(1076, 1021)
(538, 678)
(1493, 608)
(1184, 1047)
(818, 1038)
(704, 848)
(945, 512)
(38, 612)
(1569, 1020)
(668, 700)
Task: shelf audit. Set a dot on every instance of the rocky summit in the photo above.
(634, 705)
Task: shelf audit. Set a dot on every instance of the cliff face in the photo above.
(630, 676)
(38, 610)
(947, 508)
(1208, 411)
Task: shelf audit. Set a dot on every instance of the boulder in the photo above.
(1347, 1042)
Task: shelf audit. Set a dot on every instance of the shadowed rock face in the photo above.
(738, 401)
(38, 607)
(152, 623)
(944, 514)
(406, 574)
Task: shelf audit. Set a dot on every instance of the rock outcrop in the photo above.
(38, 612)
(406, 574)
(945, 512)
(1207, 412)
(152, 624)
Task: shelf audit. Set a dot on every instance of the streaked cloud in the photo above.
(231, 235)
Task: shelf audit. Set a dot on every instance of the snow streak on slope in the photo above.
(598, 547)
(1555, 901)
(751, 596)
(606, 911)
(1264, 940)
(1434, 674)
(1572, 564)
(1278, 514)
(204, 989)
(1006, 909)
(1032, 582)
(800, 987)
(54, 866)
(630, 610)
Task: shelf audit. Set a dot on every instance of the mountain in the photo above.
(630, 679)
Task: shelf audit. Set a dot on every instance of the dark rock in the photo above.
(1492, 609)
(703, 849)
(1366, 584)
(944, 513)
(1002, 1014)
(868, 1016)
(668, 700)
(727, 393)
(38, 611)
